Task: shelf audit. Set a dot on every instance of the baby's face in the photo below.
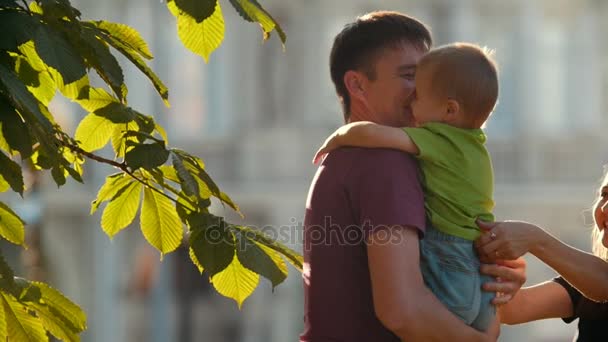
(427, 106)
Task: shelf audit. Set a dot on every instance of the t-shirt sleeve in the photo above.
(575, 297)
(432, 142)
(387, 191)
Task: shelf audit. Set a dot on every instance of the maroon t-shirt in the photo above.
(354, 192)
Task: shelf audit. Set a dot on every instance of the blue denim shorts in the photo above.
(450, 268)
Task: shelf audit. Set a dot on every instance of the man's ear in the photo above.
(355, 83)
(452, 110)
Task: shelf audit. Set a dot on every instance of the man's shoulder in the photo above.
(371, 156)
(373, 163)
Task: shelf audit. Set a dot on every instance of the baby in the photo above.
(456, 90)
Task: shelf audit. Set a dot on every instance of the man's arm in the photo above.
(401, 300)
(368, 134)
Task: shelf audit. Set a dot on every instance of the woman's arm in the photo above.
(511, 239)
(546, 300)
(368, 134)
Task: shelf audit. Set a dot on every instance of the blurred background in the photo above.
(256, 114)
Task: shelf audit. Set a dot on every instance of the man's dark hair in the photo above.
(359, 44)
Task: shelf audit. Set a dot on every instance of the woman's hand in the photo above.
(506, 240)
(510, 276)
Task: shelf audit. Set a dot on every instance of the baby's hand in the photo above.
(329, 145)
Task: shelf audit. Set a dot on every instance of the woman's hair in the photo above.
(597, 247)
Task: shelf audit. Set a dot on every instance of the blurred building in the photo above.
(256, 115)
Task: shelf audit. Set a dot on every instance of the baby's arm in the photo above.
(368, 134)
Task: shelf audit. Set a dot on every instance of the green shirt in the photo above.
(458, 177)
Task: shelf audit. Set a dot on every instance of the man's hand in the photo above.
(510, 275)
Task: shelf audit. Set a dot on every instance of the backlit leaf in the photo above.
(62, 306)
(12, 228)
(126, 35)
(147, 156)
(201, 38)
(292, 257)
(158, 84)
(199, 10)
(121, 209)
(14, 130)
(252, 11)
(159, 222)
(57, 53)
(11, 172)
(109, 189)
(236, 282)
(21, 325)
(94, 132)
(256, 259)
(213, 245)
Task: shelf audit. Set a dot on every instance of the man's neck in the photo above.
(360, 113)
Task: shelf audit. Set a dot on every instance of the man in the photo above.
(365, 208)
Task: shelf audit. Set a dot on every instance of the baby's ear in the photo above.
(452, 110)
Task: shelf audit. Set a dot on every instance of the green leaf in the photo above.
(158, 84)
(187, 181)
(70, 90)
(110, 188)
(58, 53)
(195, 260)
(9, 4)
(54, 323)
(201, 38)
(3, 327)
(75, 173)
(161, 132)
(16, 28)
(12, 228)
(93, 99)
(14, 130)
(59, 9)
(23, 100)
(58, 175)
(169, 173)
(198, 10)
(256, 259)
(125, 35)
(147, 156)
(3, 184)
(294, 258)
(94, 132)
(121, 209)
(99, 57)
(39, 82)
(70, 312)
(21, 325)
(159, 222)
(236, 282)
(118, 138)
(7, 276)
(11, 172)
(117, 113)
(212, 244)
(252, 11)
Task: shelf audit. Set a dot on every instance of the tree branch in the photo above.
(121, 166)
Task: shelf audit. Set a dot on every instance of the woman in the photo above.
(581, 291)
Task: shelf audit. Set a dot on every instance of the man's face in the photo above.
(389, 95)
